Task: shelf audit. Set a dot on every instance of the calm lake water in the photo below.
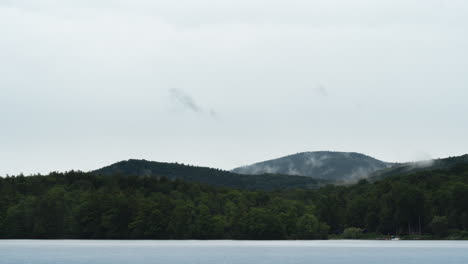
(219, 252)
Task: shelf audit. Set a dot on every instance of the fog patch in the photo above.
(422, 164)
(258, 169)
(293, 171)
(423, 160)
(316, 162)
(359, 174)
(267, 169)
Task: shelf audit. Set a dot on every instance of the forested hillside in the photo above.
(411, 167)
(84, 205)
(433, 202)
(215, 177)
(339, 167)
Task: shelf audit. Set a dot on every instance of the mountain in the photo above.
(216, 177)
(320, 168)
(327, 165)
(428, 204)
(425, 165)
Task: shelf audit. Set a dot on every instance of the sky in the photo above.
(224, 83)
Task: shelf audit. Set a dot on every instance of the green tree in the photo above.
(148, 221)
(309, 227)
(352, 233)
(262, 224)
(439, 226)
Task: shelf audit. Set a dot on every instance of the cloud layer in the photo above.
(86, 83)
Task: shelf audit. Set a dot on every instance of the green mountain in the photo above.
(206, 175)
(341, 167)
(424, 204)
(411, 167)
(307, 170)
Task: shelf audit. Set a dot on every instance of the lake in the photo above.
(219, 252)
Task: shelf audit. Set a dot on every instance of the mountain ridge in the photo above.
(418, 166)
(206, 175)
(326, 165)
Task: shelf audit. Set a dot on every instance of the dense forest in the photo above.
(210, 176)
(428, 204)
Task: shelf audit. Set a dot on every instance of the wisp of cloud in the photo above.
(186, 100)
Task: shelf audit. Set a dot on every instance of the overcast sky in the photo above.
(226, 83)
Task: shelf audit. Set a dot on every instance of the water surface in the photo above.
(219, 252)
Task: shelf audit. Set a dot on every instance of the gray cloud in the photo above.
(185, 100)
(188, 102)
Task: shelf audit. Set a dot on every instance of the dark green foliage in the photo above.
(412, 167)
(352, 233)
(309, 227)
(216, 177)
(404, 204)
(89, 206)
(439, 226)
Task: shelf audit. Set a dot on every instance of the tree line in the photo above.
(88, 206)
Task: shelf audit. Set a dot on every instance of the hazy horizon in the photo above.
(229, 83)
(204, 165)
